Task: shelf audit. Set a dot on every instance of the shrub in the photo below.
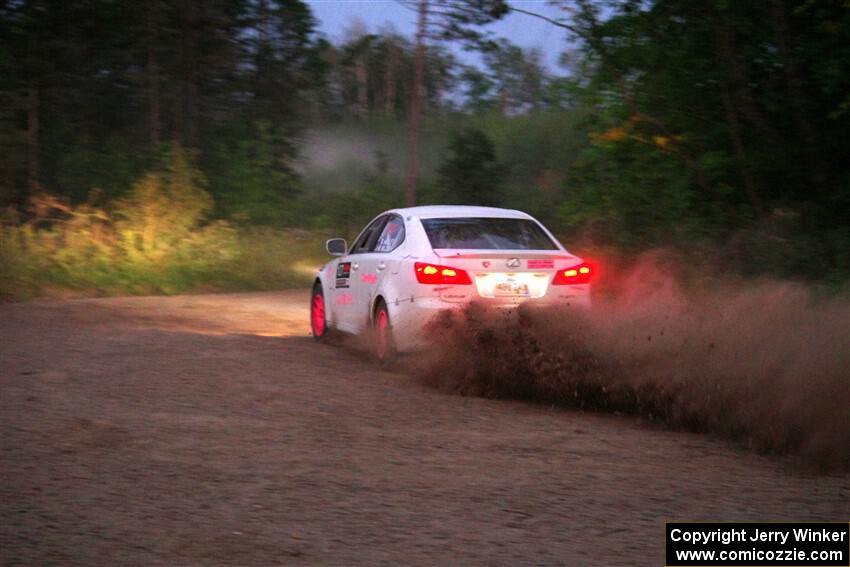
(158, 239)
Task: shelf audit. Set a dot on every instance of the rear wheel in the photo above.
(318, 320)
(384, 345)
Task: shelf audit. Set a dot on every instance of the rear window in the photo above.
(487, 234)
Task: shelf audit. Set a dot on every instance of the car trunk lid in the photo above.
(507, 275)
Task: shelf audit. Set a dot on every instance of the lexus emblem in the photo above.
(485, 263)
(513, 263)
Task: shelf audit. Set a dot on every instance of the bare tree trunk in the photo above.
(32, 139)
(739, 77)
(180, 105)
(390, 80)
(362, 75)
(182, 116)
(804, 123)
(154, 128)
(416, 107)
(194, 109)
(152, 71)
(727, 58)
(741, 152)
(33, 118)
(192, 96)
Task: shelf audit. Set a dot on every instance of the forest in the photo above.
(163, 147)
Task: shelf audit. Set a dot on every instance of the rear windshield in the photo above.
(487, 234)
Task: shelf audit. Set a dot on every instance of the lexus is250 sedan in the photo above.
(408, 264)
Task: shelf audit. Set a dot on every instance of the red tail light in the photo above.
(575, 275)
(433, 274)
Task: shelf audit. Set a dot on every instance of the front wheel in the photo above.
(318, 319)
(384, 345)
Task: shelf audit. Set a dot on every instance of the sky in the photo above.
(336, 16)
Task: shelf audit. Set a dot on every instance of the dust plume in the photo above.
(765, 362)
(342, 157)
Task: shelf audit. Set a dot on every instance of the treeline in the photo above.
(96, 91)
(725, 121)
(721, 127)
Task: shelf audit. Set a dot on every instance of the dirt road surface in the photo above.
(212, 430)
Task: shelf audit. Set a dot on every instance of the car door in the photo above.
(379, 262)
(351, 315)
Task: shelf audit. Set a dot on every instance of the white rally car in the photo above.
(408, 264)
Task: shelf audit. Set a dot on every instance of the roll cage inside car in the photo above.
(384, 234)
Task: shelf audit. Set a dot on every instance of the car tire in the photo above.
(384, 346)
(318, 314)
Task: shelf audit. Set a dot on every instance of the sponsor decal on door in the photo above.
(343, 275)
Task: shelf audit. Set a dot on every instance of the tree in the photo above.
(443, 20)
(281, 52)
(470, 174)
(741, 94)
(478, 90)
(517, 75)
(94, 90)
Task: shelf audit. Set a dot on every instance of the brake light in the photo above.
(575, 275)
(433, 274)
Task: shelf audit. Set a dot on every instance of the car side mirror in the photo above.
(336, 246)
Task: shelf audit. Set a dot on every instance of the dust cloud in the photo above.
(764, 362)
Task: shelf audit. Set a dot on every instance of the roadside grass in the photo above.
(272, 259)
(159, 239)
(72, 262)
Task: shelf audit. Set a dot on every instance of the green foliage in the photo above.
(461, 20)
(537, 152)
(631, 197)
(470, 173)
(252, 176)
(155, 240)
(111, 167)
(346, 212)
(718, 124)
(23, 270)
(171, 202)
(518, 77)
(271, 259)
(159, 239)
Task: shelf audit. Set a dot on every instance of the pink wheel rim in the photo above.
(381, 327)
(317, 315)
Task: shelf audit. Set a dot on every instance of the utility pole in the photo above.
(416, 107)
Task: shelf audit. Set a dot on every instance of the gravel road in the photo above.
(212, 430)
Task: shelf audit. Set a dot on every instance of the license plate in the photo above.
(511, 288)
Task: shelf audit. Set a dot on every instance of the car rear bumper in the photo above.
(410, 317)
